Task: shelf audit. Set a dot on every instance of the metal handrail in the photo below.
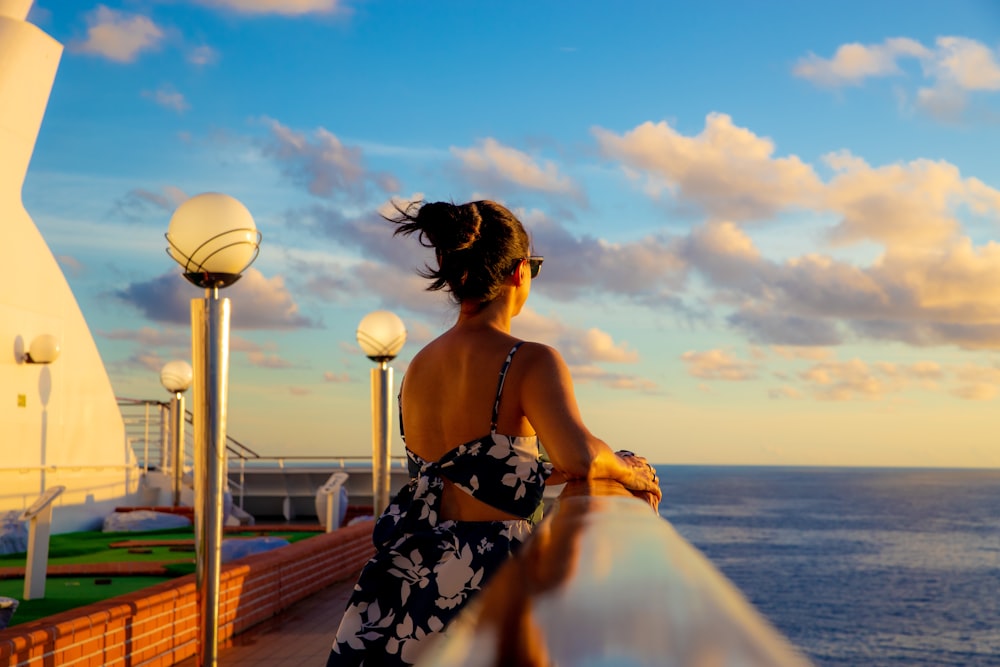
(235, 448)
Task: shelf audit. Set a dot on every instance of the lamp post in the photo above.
(381, 335)
(214, 239)
(176, 376)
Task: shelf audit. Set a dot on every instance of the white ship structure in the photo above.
(59, 422)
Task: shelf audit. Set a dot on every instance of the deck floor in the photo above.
(301, 635)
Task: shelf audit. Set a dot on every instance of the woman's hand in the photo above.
(646, 484)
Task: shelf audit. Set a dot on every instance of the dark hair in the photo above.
(477, 245)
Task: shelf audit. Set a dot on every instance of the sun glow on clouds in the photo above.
(583, 349)
(727, 171)
(118, 36)
(491, 162)
(825, 378)
(738, 236)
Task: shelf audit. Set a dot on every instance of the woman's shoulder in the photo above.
(535, 349)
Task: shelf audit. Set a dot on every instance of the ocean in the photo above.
(855, 566)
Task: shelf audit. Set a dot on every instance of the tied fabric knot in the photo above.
(414, 509)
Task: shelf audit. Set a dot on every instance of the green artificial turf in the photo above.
(93, 546)
(63, 593)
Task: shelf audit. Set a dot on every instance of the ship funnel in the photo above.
(15, 9)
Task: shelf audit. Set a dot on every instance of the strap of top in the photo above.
(503, 376)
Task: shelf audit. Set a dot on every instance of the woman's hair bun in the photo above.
(449, 228)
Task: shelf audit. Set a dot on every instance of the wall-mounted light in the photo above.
(44, 350)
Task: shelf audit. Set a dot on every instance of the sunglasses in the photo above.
(535, 262)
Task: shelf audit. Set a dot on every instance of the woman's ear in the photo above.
(519, 274)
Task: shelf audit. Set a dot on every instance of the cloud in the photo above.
(167, 97)
(977, 383)
(911, 204)
(648, 270)
(118, 36)
(718, 365)
(282, 7)
(337, 378)
(139, 204)
(611, 380)
(845, 380)
(724, 253)
(771, 326)
(263, 359)
(146, 360)
(928, 286)
(260, 355)
(203, 55)
(784, 392)
(259, 302)
(727, 171)
(583, 350)
(966, 63)
(959, 66)
(810, 353)
(151, 337)
(491, 164)
(952, 69)
(853, 63)
(323, 164)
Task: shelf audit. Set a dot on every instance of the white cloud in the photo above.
(726, 170)
(583, 350)
(853, 63)
(845, 380)
(966, 63)
(491, 162)
(118, 36)
(718, 365)
(955, 67)
(167, 97)
(202, 55)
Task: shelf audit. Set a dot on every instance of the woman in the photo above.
(474, 405)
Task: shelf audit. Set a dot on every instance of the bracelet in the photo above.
(624, 452)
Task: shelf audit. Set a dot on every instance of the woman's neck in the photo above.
(494, 315)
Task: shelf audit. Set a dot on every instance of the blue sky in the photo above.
(768, 227)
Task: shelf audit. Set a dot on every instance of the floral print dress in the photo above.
(426, 569)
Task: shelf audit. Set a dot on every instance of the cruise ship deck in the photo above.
(301, 635)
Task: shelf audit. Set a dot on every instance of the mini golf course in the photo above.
(91, 566)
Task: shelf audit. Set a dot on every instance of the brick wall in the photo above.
(158, 626)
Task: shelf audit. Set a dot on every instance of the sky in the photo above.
(769, 227)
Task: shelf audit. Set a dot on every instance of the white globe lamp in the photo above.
(381, 335)
(176, 376)
(214, 239)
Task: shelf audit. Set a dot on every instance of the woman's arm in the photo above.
(549, 403)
